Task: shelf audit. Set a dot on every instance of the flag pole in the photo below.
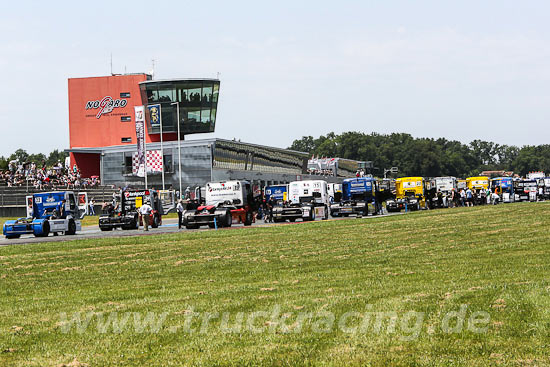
(145, 152)
(179, 145)
(161, 148)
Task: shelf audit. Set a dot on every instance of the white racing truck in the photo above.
(311, 196)
(445, 186)
(225, 202)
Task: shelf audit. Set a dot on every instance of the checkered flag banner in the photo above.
(154, 162)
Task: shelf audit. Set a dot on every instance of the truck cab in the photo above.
(225, 202)
(282, 209)
(525, 190)
(49, 212)
(410, 194)
(123, 211)
(357, 194)
(504, 188)
(479, 186)
(311, 196)
(544, 184)
(443, 189)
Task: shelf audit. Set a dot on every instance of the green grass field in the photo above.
(490, 263)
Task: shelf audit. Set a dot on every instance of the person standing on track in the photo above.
(180, 209)
(145, 212)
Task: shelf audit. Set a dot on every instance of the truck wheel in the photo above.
(71, 228)
(248, 219)
(228, 219)
(156, 221)
(11, 236)
(326, 213)
(45, 230)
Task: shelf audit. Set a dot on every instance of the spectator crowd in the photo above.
(21, 174)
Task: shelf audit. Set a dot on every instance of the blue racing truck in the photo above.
(277, 192)
(49, 212)
(357, 194)
(503, 187)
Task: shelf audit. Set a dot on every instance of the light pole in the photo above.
(179, 143)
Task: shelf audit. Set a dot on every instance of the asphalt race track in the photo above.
(168, 226)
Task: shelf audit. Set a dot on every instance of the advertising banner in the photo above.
(154, 113)
(140, 138)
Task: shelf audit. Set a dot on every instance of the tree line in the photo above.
(40, 159)
(427, 157)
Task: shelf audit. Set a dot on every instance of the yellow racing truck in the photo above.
(479, 186)
(409, 194)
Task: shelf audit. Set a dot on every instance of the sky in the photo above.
(461, 70)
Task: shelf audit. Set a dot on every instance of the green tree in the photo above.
(20, 154)
(56, 156)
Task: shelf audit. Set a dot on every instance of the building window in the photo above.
(128, 163)
(126, 140)
(125, 118)
(168, 163)
(125, 95)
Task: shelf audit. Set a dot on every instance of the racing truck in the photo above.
(478, 185)
(357, 194)
(504, 188)
(544, 183)
(279, 193)
(311, 196)
(525, 190)
(225, 202)
(443, 186)
(123, 211)
(49, 212)
(282, 209)
(410, 194)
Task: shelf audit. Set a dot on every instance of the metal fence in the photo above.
(15, 196)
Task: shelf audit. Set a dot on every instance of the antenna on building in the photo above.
(125, 70)
(112, 64)
(218, 75)
(153, 69)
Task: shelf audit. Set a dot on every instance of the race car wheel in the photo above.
(71, 228)
(45, 230)
(292, 220)
(211, 225)
(191, 226)
(11, 236)
(105, 229)
(248, 219)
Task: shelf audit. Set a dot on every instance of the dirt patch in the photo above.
(75, 363)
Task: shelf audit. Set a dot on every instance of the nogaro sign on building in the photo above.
(105, 106)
